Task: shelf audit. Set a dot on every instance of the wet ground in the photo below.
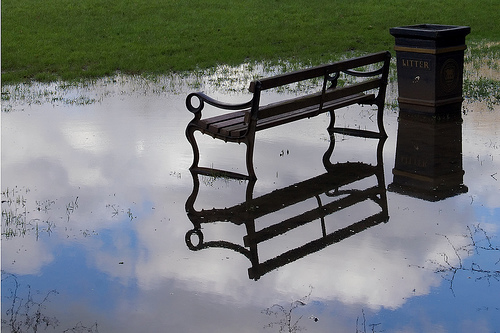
(96, 237)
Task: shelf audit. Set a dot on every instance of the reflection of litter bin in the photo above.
(430, 61)
(428, 161)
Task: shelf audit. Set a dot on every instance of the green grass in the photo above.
(68, 39)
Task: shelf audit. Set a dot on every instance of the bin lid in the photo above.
(430, 31)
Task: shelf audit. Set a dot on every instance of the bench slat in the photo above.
(352, 89)
(305, 74)
(311, 111)
(237, 130)
(216, 125)
(223, 117)
(220, 126)
(315, 99)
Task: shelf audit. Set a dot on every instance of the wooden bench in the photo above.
(368, 88)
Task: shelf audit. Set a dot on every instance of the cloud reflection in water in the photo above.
(120, 258)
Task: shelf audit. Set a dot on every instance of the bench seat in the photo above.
(236, 124)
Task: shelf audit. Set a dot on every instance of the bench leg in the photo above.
(332, 123)
(331, 147)
(192, 140)
(380, 120)
(249, 142)
(328, 154)
(250, 147)
(189, 205)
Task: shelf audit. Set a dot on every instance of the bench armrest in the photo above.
(202, 98)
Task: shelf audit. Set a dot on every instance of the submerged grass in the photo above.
(481, 82)
(67, 39)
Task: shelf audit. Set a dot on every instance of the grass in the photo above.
(68, 39)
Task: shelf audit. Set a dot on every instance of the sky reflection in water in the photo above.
(94, 196)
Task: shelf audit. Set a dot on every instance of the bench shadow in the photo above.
(343, 186)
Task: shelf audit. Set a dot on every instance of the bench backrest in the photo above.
(329, 73)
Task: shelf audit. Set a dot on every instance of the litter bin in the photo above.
(430, 60)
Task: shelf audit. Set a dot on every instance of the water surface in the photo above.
(94, 223)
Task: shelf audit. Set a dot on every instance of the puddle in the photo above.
(95, 231)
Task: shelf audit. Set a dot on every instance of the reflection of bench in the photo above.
(250, 117)
(332, 192)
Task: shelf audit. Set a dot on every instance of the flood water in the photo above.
(97, 235)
